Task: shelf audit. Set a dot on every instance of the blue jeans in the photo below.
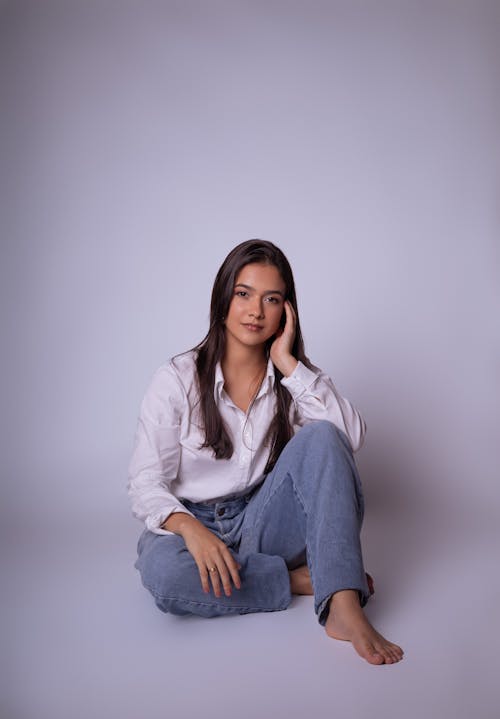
(308, 508)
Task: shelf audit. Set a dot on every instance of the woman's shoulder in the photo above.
(179, 369)
(174, 380)
(184, 364)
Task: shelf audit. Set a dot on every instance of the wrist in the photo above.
(286, 365)
(178, 522)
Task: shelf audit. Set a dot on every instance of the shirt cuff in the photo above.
(299, 381)
(154, 521)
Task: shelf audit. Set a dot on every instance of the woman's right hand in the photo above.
(208, 552)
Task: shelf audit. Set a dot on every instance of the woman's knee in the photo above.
(323, 431)
(162, 565)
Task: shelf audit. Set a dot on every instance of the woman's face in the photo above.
(257, 305)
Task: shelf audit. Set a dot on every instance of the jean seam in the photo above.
(322, 605)
(257, 519)
(210, 604)
(302, 505)
(301, 502)
(308, 564)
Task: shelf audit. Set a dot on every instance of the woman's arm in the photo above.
(154, 466)
(316, 397)
(313, 392)
(156, 456)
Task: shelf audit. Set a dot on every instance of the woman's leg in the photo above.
(169, 571)
(312, 500)
(313, 497)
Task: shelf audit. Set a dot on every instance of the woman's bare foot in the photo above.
(300, 580)
(347, 621)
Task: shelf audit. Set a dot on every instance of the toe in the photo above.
(394, 656)
(396, 651)
(375, 658)
(397, 654)
(384, 651)
(369, 652)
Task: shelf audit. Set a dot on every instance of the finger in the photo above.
(289, 306)
(213, 573)
(204, 578)
(224, 577)
(233, 567)
(290, 315)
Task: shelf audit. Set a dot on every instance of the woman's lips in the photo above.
(253, 328)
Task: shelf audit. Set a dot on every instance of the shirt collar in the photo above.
(267, 384)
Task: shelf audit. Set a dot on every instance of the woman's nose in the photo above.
(257, 309)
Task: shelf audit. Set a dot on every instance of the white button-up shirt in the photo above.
(167, 464)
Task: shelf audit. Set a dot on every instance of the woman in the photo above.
(243, 467)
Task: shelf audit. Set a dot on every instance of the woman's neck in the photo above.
(243, 359)
(243, 373)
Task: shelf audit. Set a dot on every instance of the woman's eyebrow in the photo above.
(267, 292)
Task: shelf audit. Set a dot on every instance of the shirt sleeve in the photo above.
(315, 397)
(156, 456)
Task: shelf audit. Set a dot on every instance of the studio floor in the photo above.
(85, 640)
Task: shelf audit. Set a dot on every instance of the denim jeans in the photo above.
(309, 508)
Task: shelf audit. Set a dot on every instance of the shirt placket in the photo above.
(246, 445)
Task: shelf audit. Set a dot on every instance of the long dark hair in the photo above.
(211, 350)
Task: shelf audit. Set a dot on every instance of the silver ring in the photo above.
(212, 569)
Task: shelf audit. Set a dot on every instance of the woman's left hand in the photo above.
(281, 348)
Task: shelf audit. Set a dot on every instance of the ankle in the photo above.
(345, 597)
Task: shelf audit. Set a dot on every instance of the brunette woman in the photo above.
(243, 467)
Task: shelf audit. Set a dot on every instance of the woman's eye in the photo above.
(244, 293)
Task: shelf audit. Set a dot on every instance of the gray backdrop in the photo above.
(139, 143)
